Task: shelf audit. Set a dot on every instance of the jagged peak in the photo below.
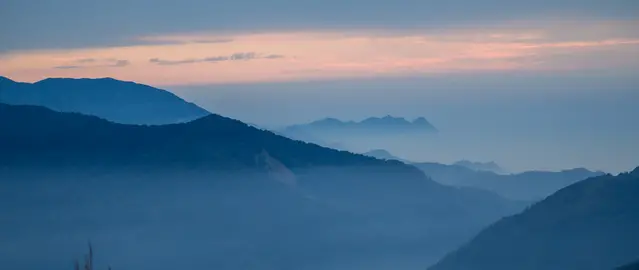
(420, 122)
(385, 119)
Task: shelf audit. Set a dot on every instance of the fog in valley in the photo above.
(177, 220)
(319, 135)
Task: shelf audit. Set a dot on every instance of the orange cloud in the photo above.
(211, 59)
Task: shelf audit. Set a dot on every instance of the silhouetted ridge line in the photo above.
(630, 266)
(118, 101)
(526, 186)
(589, 225)
(212, 139)
(311, 198)
(371, 122)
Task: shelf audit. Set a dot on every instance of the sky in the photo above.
(559, 76)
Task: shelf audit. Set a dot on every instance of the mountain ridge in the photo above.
(348, 134)
(383, 154)
(343, 200)
(523, 186)
(213, 124)
(419, 123)
(490, 166)
(119, 101)
(526, 186)
(598, 215)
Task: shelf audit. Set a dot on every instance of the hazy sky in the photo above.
(559, 76)
(165, 42)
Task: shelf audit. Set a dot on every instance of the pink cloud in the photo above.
(193, 59)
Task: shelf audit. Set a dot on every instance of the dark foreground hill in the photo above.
(118, 101)
(216, 193)
(588, 225)
(630, 266)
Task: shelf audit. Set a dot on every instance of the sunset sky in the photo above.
(569, 67)
(217, 42)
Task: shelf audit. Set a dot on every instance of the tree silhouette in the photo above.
(88, 260)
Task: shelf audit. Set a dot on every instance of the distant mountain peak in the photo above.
(490, 166)
(383, 121)
(119, 101)
(380, 154)
(103, 79)
(329, 120)
(388, 119)
(383, 154)
(420, 120)
(334, 130)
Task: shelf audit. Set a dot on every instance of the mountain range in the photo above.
(481, 166)
(524, 186)
(473, 165)
(384, 155)
(198, 190)
(378, 125)
(385, 123)
(118, 101)
(216, 186)
(356, 136)
(588, 225)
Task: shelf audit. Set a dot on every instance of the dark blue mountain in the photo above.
(118, 101)
(5, 81)
(216, 193)
(630, 266)
(589, 225)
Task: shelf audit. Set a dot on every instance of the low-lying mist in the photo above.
(204, 219)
